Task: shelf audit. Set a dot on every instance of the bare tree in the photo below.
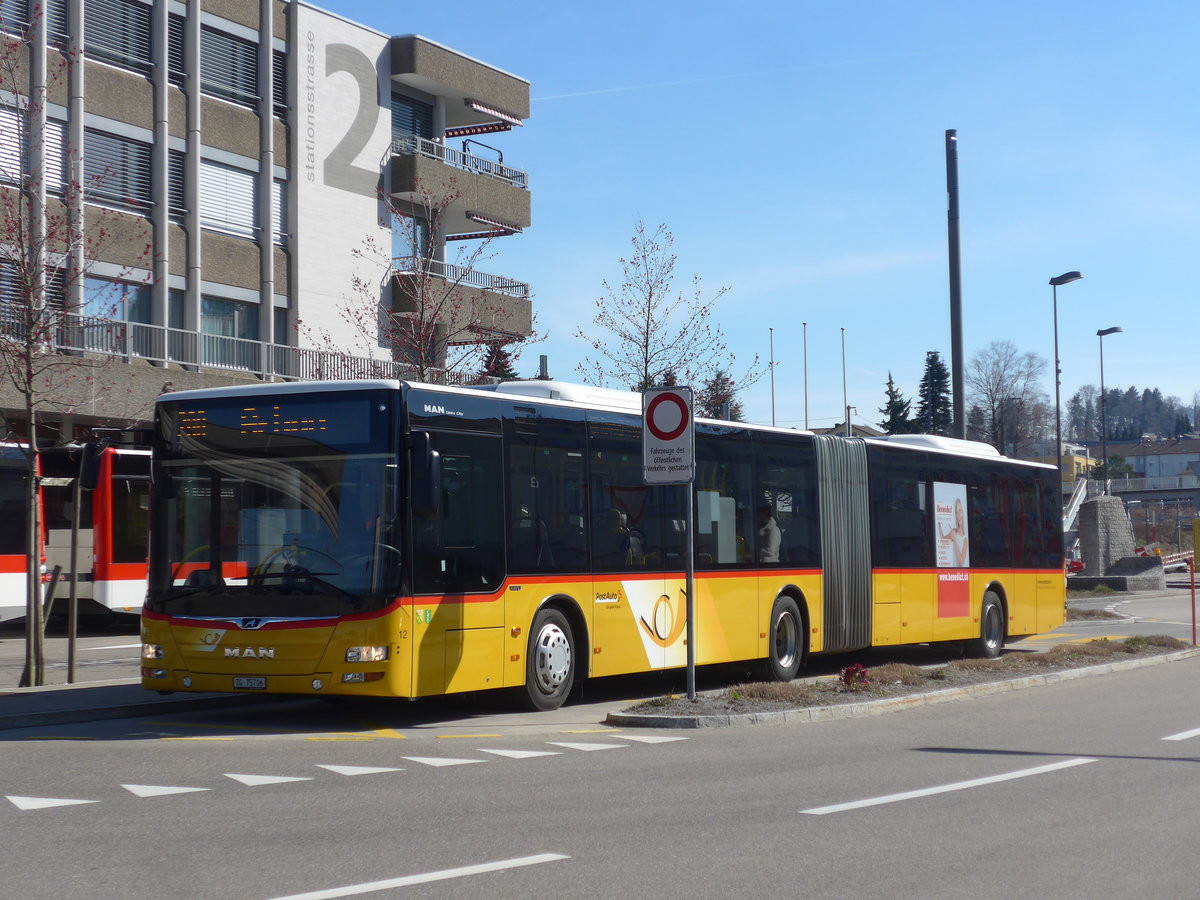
(647, 333)
(1005, 384)
(45, 252)
(433, 320)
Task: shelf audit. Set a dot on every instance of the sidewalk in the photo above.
(60, 704)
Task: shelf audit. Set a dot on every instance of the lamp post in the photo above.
(1102, 333)
(1064, 278)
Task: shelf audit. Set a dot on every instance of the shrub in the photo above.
(854, 677)
(898, 673)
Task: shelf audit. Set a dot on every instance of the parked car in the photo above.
(1074, 566)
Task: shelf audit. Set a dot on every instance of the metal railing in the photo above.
(1155, 483)
(412, 145)
(436, 268)
(162, 346)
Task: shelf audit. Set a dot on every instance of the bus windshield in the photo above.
(281, 510)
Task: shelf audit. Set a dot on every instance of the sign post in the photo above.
(669, 457)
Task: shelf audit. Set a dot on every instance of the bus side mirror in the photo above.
(89, 465)
(425, 476)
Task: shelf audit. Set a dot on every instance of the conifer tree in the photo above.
(934, 410)
(897, 419)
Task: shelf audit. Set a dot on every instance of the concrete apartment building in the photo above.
(236, 154)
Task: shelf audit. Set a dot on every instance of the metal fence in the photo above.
(436, 268)
(162, 346)
(418, 146)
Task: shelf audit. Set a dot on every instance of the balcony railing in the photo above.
(436, 268)
(161, 345)
(459, 159)
(1155, 483)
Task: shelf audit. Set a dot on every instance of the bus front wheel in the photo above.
(991, 628)
(550, 662)
(785, 653)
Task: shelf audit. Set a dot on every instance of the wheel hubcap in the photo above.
(787, 640)
(991, 627)
(552, 658)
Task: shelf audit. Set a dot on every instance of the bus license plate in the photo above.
(250, 684)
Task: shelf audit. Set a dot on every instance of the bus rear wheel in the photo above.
(991, 628)
(785, 653)
(550, 662)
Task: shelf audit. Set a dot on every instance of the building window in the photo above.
(118, 31)
(116, 170)
(228, 66)
(107, 298)
(279, 84)
(176, 52)
(280, 326)
(13, 128)
(176, 204)
(13, 17)
(279, 222)
(227, 199)
(227, 329)
(411, 117)
(410, 238)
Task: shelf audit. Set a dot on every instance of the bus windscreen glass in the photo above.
(284, 509)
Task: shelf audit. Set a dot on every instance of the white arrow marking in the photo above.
(158, 790)
(44, 802)
(521, 754)
(588, 746)
(650, 738)
(1183, 735)
(357, 770)
(436, 761)
(255, 780)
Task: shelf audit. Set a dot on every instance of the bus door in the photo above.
(638, 540)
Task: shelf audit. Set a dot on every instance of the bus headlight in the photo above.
(366, 654)
(152, 651)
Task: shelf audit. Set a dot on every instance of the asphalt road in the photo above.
(1079, 789)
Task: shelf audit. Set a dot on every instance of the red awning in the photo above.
(493, 223)
(492, 111)
(469, 130)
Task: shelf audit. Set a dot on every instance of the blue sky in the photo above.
(796, 151)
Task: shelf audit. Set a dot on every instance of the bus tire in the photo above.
(991, 628)
(550, 661)
(785, 641)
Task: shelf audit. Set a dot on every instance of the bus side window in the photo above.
(460, 548)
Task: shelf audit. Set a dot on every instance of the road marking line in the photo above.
(44, 802)
(592, 731)
(114, 647)
(587, 747)
(1183, 735)
(651, 738)
(442, 761)
(946, 788)
(255, 780)
(426, 878)
(358, 770)
(520, 754)
(455, 737)
(344, 737)
(158, 790)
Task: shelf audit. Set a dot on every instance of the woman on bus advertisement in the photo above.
(949, 501)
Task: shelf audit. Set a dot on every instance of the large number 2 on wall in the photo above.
(340, 170)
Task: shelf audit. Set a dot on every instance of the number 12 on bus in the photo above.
(392, 539)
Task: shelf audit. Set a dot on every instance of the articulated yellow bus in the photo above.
(391, 539)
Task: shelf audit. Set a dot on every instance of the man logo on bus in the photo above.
(669, 620)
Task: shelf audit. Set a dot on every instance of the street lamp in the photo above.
(1064, 278)
(1102, 333)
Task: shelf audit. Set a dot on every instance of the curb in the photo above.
(890, 704)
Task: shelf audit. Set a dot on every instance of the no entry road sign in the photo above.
(668, 438)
